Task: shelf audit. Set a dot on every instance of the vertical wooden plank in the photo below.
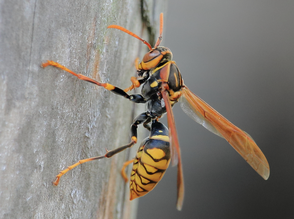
(49, 119)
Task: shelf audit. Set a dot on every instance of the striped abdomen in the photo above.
(150, 164)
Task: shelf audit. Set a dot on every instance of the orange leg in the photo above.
(135, 84)
(61, 173)
(107, 155)
(123, 169)
(107, 86)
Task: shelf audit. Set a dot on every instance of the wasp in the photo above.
(162, 87)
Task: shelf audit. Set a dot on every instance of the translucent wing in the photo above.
(176, 153)
(209, 118)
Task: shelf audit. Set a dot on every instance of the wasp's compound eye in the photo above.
(151, 55)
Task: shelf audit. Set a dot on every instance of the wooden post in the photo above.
(49, 119)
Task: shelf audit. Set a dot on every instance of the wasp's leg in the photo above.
(137, 98)
(141, 118)
(135, 83)
(107, 155)
(61, 173)
(107, 86)
(137, 121)
(123, 169)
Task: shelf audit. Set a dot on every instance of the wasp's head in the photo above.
(157, 55)
(155, 58)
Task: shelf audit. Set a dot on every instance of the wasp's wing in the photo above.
(208, 117)
(176, 153)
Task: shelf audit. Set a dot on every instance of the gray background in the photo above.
(238, 57)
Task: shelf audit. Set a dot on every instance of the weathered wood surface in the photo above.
(49, 119)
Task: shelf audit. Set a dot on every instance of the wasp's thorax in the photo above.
(155, 58)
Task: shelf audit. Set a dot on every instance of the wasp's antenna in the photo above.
(160, 31)
(131, 33)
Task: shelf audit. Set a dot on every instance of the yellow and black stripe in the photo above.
(151, 162)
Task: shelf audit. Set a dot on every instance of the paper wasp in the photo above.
(162, 87)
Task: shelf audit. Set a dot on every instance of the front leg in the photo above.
(107, 86)
(138, 82)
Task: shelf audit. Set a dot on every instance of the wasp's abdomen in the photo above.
(150, 164)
